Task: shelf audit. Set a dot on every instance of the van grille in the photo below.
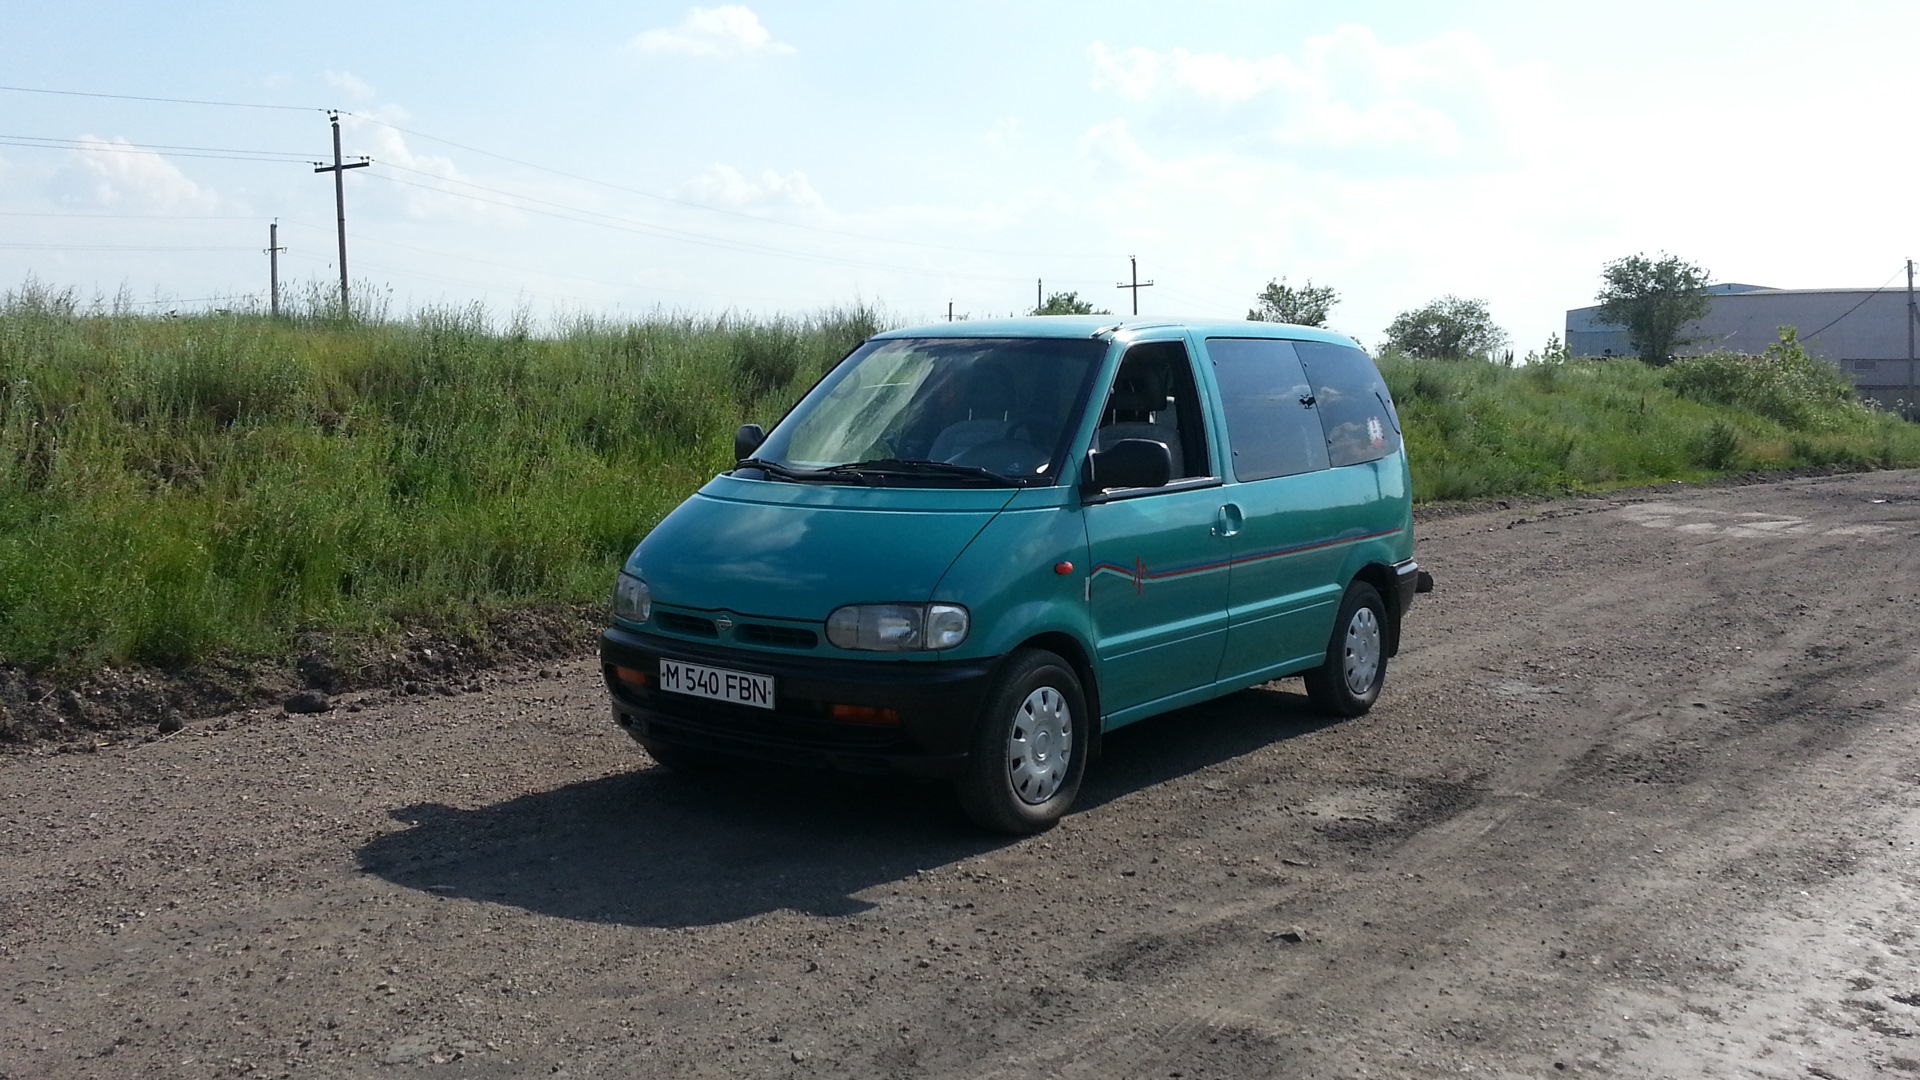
(690, 625)
(782, 637)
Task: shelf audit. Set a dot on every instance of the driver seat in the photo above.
(1140, 408)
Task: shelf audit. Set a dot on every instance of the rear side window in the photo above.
(1267, 399)
(1352, 399)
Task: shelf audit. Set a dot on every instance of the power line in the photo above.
(438, 278)
(756, 218)
(483, 262)
(112, 247)
(1856, 307)
(167, 100)
(128, 148)
(195, 300)
(86, 144)
(154, 217)
(664, 232)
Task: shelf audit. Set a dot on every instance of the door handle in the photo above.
(1227, 521)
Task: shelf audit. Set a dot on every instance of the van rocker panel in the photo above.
(939, 703)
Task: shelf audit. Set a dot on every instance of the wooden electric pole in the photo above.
(1913, 407)
(273, 266)
(340, 206)
(1137, 283)
(1038, 302)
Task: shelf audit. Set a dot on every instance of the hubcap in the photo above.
(1362, 663)
(1040, 747)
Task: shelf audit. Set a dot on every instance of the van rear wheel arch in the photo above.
(1381, 577)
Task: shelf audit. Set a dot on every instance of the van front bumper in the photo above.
(938, 702)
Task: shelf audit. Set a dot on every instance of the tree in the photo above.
(1449, 328)
(1067, 303)
(1306, 305)
(1654, 300)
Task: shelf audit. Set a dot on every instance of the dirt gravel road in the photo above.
(1642, 799)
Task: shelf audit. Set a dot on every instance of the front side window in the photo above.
(935, 411)
(1269, 405)
(1154, 397)
(1356, 410)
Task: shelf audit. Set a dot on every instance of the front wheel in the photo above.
(1348, 682)
(1030, 748)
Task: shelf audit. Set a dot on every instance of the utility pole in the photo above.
(1137, 283)
(1913, 407)
(273, 265)
(339, 171)
(1038, 302)
(949, 311)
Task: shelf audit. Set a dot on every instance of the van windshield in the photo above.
(938, 412)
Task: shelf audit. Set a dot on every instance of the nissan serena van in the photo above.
(974, 548)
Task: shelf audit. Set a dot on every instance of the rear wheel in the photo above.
(1030, 748)
(1348, 682)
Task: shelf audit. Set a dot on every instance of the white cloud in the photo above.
(1446, 98)
(723, 185)
(1004, 133)
(350, 84)
(421, 200)
(728, 30)
(113, 173)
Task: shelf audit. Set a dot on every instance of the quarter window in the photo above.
(1269, 407)
(1354, 405)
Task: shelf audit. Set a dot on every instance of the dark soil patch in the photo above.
(39, 708)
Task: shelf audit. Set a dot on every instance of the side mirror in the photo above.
(1129, 463)
(747, 440)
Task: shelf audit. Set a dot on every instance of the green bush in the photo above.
(1784, 384)
(1718, 448)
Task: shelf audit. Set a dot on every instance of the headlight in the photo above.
(898, 627)
(632, 600)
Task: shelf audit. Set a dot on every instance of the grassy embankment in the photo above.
(174, 489)
(1476, 429)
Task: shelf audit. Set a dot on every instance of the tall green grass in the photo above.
(1476, 429)
(176, 488)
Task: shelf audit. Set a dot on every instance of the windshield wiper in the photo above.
(916, 467)
(774, 468)
(787, 472)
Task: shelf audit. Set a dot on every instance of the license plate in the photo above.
(719, 684)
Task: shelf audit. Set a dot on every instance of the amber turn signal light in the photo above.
(865, 714)
(631, 676)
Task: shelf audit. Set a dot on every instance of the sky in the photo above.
(780, 157)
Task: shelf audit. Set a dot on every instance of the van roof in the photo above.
(1084, 326)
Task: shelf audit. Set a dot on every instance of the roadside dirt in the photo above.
(1642, 799)
(115, 706)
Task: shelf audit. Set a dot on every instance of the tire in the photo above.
(1348, 682)
(1030, 747)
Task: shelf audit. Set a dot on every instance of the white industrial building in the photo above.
(1863, 331)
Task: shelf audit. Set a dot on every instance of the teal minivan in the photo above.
(974, 548)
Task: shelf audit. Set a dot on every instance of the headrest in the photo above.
(1140, 390)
